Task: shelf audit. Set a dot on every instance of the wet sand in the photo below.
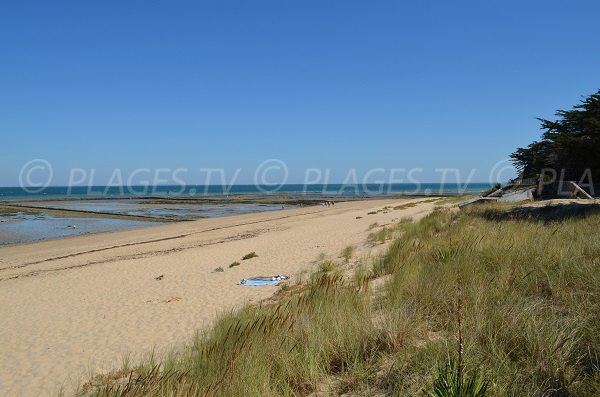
(76, 306)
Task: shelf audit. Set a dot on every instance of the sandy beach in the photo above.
(79, 305)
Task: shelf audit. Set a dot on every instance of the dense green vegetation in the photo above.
(570, 143)
(495, 301)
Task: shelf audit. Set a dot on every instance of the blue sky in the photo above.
(324, 84)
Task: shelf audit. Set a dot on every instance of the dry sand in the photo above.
(77, 306)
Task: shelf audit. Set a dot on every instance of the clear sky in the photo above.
(317, 84)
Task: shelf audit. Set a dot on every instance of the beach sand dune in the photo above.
(77, 306)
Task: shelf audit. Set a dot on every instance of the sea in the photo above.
(294, 190)
(17, 227)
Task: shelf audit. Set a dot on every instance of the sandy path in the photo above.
(77, 306)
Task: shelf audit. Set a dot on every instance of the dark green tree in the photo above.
(571, 143)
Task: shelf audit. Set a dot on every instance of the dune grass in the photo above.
(373, 225)
(249, 256)
(347, 253)
(380, 236)
(405, 206)
(327, 265)
(481, 301)
(387, 232)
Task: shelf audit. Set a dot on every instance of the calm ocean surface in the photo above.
(59, 192)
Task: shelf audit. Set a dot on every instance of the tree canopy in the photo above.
(571, 144)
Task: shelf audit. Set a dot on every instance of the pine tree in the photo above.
(571, 143)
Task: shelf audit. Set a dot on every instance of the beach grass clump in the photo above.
(405, 206)
(372, 213)
(249, 256)
(219, 269)
(404, 220)
(234, 264)
(414, 204)
(380, 236)
(493, 301)
(348, 252)
(373, 225)
(327, 265)
(361, 276)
